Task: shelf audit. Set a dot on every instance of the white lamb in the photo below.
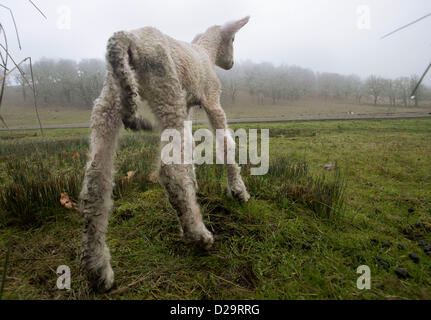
(172, 76)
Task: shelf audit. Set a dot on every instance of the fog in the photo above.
(324, 35)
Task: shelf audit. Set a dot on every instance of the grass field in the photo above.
(283, 244)
(246, 106)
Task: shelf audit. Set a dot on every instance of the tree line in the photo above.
(69, 83)
(292, 83)
(62, 82)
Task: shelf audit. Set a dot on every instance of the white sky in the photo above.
(322, 35)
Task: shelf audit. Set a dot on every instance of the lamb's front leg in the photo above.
(96, 194)
(217, 119)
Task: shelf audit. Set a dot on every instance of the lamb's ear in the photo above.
(233, 27)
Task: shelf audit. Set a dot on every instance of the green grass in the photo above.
(283, 244)
(246, 106)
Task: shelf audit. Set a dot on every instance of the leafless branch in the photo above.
(15, 68)
(407, 25)
(6, 71)
(40, 11)
(4, 67)
(4, 61)
(413, 95)
(14, 23)
(32, 85)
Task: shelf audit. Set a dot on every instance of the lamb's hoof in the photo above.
(101, 280)
(206, 241)
(240, 193)
(203, 238)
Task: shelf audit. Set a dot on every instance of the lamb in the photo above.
(172, 76)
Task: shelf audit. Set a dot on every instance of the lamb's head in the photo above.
(224, 57)
(219, 41)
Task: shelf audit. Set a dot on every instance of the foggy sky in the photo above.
(321, 34)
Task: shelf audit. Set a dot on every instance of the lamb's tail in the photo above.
(121, 51)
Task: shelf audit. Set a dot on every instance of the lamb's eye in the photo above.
(233, 39)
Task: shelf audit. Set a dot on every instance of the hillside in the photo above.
(245, 107)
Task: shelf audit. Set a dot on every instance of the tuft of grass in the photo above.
(291, 181)
(35, 173)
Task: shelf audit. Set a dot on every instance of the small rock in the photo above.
(306, 246)
(402, 274)
(414, 257)
(411, 210)
(386, 244)
(386, 265)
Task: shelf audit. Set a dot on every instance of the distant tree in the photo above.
(330, 85)
(19, 79)
(254, 79)
(357, 87)
(324, 85)
(414, 79)
(297, 82)
(375, 86)
(402, 87)
(390, 91)
(250, 77)
(91, 74)
(45, 80)
(348, 85)
(230, 83)
(66, 73)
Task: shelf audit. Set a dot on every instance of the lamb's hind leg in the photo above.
(97, 190)
(180, 184)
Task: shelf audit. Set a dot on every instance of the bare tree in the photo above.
(91, 74)
(357, 87)
(414, 81)
(20, 80)
(44, 76)
(402, 88)
(66, 78)
(389, 91)
(231, 83)
(7, 58)
(375, 86)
